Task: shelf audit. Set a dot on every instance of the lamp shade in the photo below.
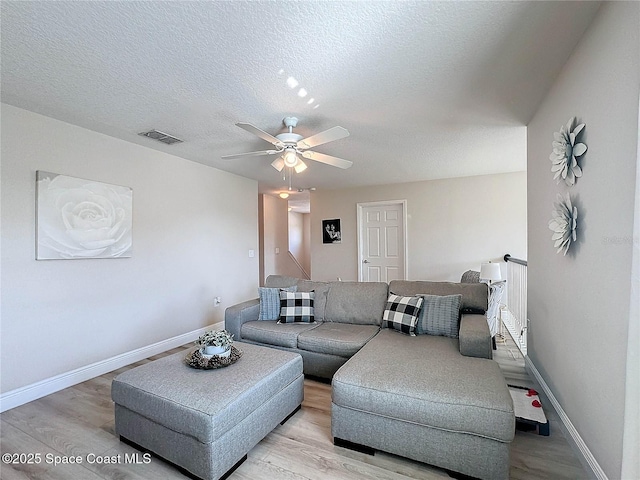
(300, 166)
(278, 164)
(490, 271)
(290, 157)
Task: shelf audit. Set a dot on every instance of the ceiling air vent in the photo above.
(161, 137)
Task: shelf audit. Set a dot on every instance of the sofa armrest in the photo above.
(475, 338)
(236, 315)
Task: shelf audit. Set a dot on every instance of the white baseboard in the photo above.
(579, 443)
(26, 394)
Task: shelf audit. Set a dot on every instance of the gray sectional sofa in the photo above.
(434, 399)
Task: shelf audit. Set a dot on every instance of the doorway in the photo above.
(382, 241)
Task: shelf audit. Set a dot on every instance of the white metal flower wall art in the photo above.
(563, 224)
(566, 150)
(79, 218)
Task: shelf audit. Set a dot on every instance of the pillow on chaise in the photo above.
(270, 302)
(401, 313)
(440, 315)
(296, 307)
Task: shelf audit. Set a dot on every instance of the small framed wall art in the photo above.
(331, 231)
(79, 218)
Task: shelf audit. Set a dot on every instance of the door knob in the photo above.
(365, 261)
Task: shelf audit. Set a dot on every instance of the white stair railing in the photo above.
(514, 316)
(303, 273)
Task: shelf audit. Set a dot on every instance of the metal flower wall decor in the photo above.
(563, 224)
(566, 150)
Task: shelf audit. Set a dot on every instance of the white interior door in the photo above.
(382, 247)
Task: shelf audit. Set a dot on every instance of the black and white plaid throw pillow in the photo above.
(296, 307)
(401, 313)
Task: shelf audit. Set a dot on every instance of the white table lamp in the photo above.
(490, 271)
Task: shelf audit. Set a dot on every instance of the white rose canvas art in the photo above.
(79, 218)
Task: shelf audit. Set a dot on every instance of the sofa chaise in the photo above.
(436, 399)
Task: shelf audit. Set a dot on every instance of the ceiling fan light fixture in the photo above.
(290, 157)
(278, 164)
(289, 146)
(283, 195)
(300, 166)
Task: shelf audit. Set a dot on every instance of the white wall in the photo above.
(631, 439)
(299, 239)
(453, 225)
(189, 246)
(306, 225)
(579, 303)
(275, 235)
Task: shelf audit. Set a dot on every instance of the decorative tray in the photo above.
(196, 359)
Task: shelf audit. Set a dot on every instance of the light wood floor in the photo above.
(78, 421)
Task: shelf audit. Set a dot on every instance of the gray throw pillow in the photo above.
(270, 302)
(439, 315)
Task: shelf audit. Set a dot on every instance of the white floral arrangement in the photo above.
(215, 338)
(566, 150)
(563, 224)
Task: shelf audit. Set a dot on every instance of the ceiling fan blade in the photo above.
(252, 154)
(328, 159)
(335, 133)
(260, 133)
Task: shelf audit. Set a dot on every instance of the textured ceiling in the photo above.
(427, 89)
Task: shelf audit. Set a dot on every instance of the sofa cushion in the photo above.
(360, 303)
(340, 339)
(270, 302)
(401, 313)
(280, 281)
(475, 296)
(440, 315)
(273, 333)
(296, 307)
(320, 301)
(442, 390)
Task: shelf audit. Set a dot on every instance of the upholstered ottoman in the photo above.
(418, 397)
(205, 421)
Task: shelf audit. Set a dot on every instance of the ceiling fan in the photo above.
(289, 145)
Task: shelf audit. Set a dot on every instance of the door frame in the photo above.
(405, 242)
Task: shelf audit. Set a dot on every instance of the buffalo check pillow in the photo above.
(401, 313)
(296, 307)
